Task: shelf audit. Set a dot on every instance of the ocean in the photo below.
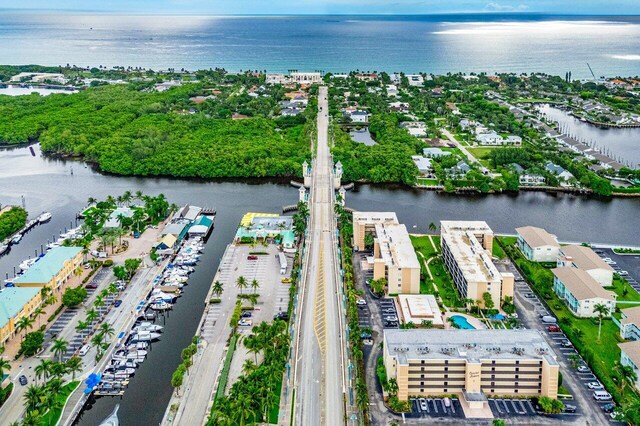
(433, 43)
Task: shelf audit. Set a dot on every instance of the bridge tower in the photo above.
(337, 175)
(302, 195)
(306, 173)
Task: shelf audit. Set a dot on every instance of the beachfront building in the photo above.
(295, 77)
(16, 303)
(415, 79)
(629, 323)
(473, 364)
(537, 245)
(53, 269)
(581, 293)
(393, 255)
(266, 226)
(630, 356)
(584, 258)
(466, 253)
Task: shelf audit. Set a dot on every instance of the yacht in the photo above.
(44, 217)
(147, 326)
(161, 306)
(144, 336)
(112, 420)
(138, 346)
(27, 264)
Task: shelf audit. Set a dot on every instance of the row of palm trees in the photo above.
(253, 395)
(26, 323)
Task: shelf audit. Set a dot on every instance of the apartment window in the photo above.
(446, 361)
(517, 368)
(445, 390)
(517, 362)
(422, 362)
(517, 376)
(421, 390)
(493, 376)
(446, 383)
(421, 368)
(493, 384)
(493, 369)
(446, 376)
(422, 376)
(515, 391)
(493, 361)
(492, 390)
(540, 370)
(446, 369)
(421, 383)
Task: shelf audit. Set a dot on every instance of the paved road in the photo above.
(319, 363)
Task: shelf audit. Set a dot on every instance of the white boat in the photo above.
(44, 217)
(145, 336)
(161, 306)
(27, 264)
(147, 326)
(53, 245)
(16, 239)
(149, 315)
(127, 363)
(137, 346)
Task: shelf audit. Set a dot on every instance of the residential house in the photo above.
(113, 221)
(584, 258)
(581, 293)
(434, 152)
(415, 128)
(528, 179)
(399, 107)
(392, 90)
(357, 116)
(630, 356)
(537, 245)
(629, 323)
(459, 171)
(423, 164)
(557, 170)
(415, 79)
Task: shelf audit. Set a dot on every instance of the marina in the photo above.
(15, 239)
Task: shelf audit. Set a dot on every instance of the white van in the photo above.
(83, 350)
(601, 395)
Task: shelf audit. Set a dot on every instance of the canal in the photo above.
(621, 143)
(49, 185)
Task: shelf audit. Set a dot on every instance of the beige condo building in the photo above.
(466, 253)
(393, 255)
(472, 363)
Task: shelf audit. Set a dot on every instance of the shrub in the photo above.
(5, 393)
(107, 263)
(212, 301)
(74, 296)
(31, 343)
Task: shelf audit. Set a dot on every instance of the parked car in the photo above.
(549, 319)
(391, 318)
(584, 369)
(245, 322)
(600, 395)
(616, 415)
(529, 295)
(553, 329)
(361, 302)
(623, 273)
(281, 316)
(92, 285)
(595, 385)
(423, 404)
(389, 310)
(365, 335)
(608, 408)
(117, 303)
(252, 257)
(566, 343)
(447, 402)
(568, 408)
(246, 314)
(23, 380)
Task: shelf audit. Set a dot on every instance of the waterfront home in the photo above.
(493, 138)
(537, 245)
(423, 164)
(39, 77)
(528, 179)
(459, 171)
(434, 152)
(580, 292)
(16, 303)
(367, 76)
(584, 258)
(629, 323)
(356, 116)
(53, 269)
(113, 220)
(559, 171)
(291, 112)
(630, 356)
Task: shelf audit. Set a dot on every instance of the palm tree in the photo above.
(127, 197)
(36, 313)
(92, 315)
(106, 329)
(255, 285)
(60, 346)
(82, 326)
(602, 310)
(241, 283)
(43, 369)
(248, 367)
(432, 227)
(58, 369)
(24, 323)
(626, 373)
(217, 288)
(74, 365)
(362, 397)
(99, 301)
(33, 397)
(4, 366)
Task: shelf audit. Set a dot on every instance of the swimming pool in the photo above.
(462, 322)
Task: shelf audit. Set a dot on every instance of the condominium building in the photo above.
(537, 245)
(584, 258)
(472, 363)
(630, 356)
(53, 269)
(16, 303)
(580, 292)
(629, 323)
(466, 252)
(393, 255)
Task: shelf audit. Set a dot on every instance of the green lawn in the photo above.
(51, 417)
(480, 153)
(601, 354)
(424, 246)
(497, 251)
(625, 293)
(423, 181)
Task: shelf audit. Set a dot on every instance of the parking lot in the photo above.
(435, 408)
(503, 408)
(628, 266)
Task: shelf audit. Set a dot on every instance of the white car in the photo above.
(623, 273)
(391, 318)
(594, 385)
(423, 404)
(245, 322)
(361, 302)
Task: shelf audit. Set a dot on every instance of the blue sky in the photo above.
(607, 7)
